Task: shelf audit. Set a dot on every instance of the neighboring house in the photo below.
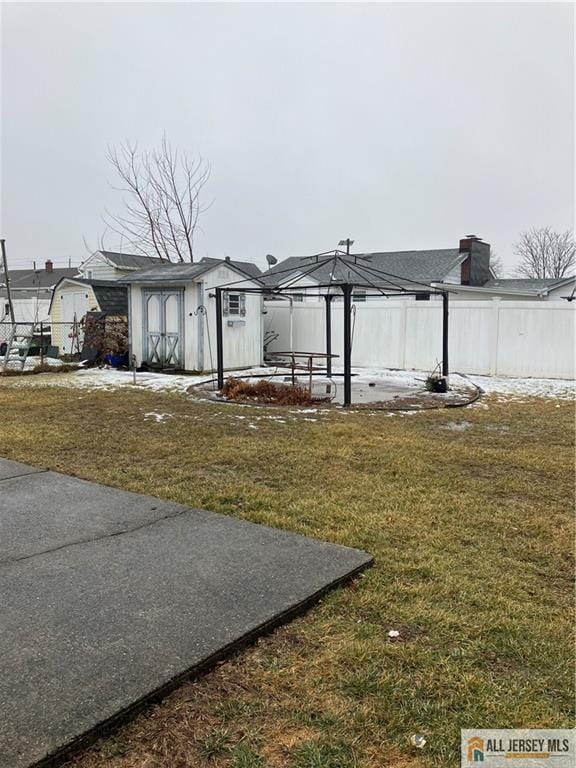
(31, 291)
(109, 265)
(72, 298)
(172, 315)
(469, 264)
(465, 271)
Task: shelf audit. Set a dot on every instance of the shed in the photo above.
(172, 315)
(72, 298)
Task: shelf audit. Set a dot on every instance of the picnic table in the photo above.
(304, 361)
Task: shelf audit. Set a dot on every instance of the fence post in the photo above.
(494, 333)
(347, 291)
(445, 313)
(328, 300)
(41, 343)
(219, 340)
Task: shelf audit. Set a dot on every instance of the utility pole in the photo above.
(7, 278)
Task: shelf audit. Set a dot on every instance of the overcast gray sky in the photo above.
(401, 125)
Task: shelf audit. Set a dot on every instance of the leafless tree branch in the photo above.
(162, 191)
(545, 253)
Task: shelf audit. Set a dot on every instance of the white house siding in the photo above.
(242, 344)
(534, 338)
(97, 268)
(25, 310)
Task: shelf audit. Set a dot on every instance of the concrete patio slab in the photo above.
(110, 598)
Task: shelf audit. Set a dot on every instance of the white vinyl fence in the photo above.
(506, 338)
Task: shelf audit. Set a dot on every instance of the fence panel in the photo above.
(507, 338)
(98, 338)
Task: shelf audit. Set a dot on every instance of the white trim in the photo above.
(450, 288)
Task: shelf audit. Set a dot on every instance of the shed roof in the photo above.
(131, 260)
(251, 269)
(182, 273)
(112, 297)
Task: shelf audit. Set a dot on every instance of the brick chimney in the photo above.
(475, 269)
(49, 267)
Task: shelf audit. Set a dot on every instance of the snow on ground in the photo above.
(111, 378)
(30, 363)
(158, 417)
(562, 389)
(101, 378)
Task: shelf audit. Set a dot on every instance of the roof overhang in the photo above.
(455, 288)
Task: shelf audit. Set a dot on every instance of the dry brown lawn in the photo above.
(469, 514)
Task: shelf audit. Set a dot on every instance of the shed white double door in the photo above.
(163, 328)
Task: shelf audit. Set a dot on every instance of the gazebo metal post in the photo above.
(219, 339)
(328, 299)
(347, 291)
(445, 366)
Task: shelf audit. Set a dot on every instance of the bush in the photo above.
(266, 391)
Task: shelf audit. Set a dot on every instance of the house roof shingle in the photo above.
(32, 279)
(131, 260)
(251, 269)
(412, 266)
(184, 272)
(112, 297)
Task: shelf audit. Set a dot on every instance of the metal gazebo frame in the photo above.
(347, 272)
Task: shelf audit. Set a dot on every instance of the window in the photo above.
(422, 297)
(359, 296)
(89, 274)
(234, 304)
(298, 297)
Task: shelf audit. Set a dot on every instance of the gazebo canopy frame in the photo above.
(336, 273)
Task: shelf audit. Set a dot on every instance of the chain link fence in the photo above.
(96, 339)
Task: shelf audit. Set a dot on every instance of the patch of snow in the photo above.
(157, 416)
(457, 426)
(562, 389)
(31, 362)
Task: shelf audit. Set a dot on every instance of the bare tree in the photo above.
(162, 192)
(545, 253)
(497, 265)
